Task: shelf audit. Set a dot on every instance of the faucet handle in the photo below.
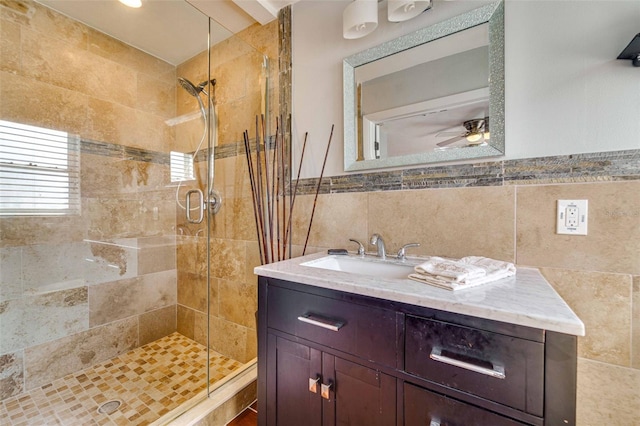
(401, 252)
(360, 246)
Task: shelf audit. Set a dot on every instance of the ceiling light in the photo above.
(403, 10)
(359, 18)
(131, 3)
(474, 137)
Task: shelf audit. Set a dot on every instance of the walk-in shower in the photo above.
(119, 309)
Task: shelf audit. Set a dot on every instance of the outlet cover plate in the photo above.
(572, 217)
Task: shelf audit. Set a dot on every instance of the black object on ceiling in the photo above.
(632, 51)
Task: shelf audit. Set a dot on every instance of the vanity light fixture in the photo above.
(359, 18)
(131, 3)
(403, 10)
(632, 51)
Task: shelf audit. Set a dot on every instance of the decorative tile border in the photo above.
(592, 167)
(107, 149)
(575, 168)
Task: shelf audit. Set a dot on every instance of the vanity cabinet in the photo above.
(317, 388)
(312, 384)
(328, 357)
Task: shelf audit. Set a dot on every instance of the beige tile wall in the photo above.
(86, 82)
(596, 274)
(68, 302)
(237, 67)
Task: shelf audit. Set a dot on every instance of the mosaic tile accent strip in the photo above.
(284, 79)
(150, 381)
(477, 174)
(595, 167)
(577, 168)
(107, 149)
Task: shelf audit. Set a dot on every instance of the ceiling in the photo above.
(172, 30)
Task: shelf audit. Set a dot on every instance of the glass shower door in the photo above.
(92, 319)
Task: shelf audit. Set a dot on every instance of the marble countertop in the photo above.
(525, 299)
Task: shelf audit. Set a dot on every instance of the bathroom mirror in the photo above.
(434, 95)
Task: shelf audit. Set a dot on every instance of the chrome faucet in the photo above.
(377, 241)
(402, 252)
(360, 246)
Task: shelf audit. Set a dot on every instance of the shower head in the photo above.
(195, 92)
(191, 88)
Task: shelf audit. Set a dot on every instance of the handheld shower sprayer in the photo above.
(214, 199)
(194, 90)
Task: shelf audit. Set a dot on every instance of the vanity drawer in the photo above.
(501, 368)
(425, 408)
(364, 331)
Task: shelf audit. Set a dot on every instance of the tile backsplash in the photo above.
(513, 218)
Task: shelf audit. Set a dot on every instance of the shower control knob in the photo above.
(215, 201)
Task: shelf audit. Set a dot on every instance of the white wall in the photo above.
(565, 91)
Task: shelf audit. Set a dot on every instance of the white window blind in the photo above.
(181, 166)
(39, 171)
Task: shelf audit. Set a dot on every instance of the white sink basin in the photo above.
(363, 266)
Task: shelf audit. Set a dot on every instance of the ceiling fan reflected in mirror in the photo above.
(476, 133)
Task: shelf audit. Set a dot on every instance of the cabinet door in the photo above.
(360, 395)
(290, 402)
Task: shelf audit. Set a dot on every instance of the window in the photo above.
(39, 171)
(181, 165)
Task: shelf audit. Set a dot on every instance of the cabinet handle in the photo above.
(327, 323)
(313, 384)
(324, 390)
(497, 371)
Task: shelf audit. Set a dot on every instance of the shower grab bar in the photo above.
(200, 206)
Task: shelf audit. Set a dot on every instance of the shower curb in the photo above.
(202, 409)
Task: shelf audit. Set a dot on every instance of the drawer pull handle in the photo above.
(313, 384)
(497, 371)
(434, 422)
(324, 390)
(329, 324)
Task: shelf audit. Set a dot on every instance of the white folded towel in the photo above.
(467, 272)
(455, 270)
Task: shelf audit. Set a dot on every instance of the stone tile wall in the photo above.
(237, 65)
(78, 290)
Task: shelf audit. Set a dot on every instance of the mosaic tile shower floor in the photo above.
(150, 381)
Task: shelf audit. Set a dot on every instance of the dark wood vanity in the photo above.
(329, 357)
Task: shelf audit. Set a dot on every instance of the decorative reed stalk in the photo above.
(326, 154)
(269, 189)
(293, 195)
(254, 198)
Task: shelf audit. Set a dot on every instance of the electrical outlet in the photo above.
(572, 217)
